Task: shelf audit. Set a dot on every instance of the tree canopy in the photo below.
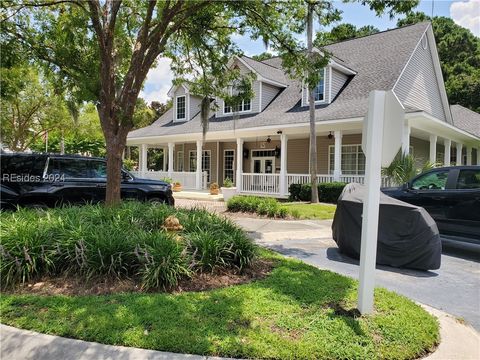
(343, 32)
(459, 53)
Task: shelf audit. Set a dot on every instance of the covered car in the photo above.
(407, 235)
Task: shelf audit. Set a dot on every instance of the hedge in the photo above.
(327, 192)
(255, 204)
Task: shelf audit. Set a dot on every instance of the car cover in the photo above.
(407, 235)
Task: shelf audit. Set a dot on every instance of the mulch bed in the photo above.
(72, 286)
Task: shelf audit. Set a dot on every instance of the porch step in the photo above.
(197, 195)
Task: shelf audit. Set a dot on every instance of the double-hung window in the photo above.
(353, 159)
(181, 108)
(244, 106)
(319, 90)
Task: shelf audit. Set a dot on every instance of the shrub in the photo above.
(327, 192)
(228, 183)
(255, 204)
(123, 241)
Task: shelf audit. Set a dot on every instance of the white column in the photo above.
(239, 174)
(448, 146)
(164, 166)
(283, 164)
(458, 159)
(337, 164)
(143, 158)
(406, 139)
(171, 147)
(433, 149)
(198, 183)
(469, 155)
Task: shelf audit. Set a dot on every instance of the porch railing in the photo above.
(261, 183)
(188, 179)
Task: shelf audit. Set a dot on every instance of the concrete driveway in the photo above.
(454, 288)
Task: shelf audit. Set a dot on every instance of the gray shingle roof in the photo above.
(267, 71)
(378, 60)
(466, 119)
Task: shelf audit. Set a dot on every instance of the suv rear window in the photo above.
(468, 179)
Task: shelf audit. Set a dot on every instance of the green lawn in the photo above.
(297, 312)
(311, 211)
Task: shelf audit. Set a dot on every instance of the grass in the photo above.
(310, 211)
(297, 312)
(127, 241)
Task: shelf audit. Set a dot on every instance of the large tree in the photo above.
(102, 50)
(459, 53)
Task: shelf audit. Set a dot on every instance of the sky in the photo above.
(465, 13)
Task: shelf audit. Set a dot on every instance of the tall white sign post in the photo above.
(381, 140)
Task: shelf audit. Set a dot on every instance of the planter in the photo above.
(176, 188)
(228, 193)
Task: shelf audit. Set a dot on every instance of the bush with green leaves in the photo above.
(254, 204)
(327, 192)
(126, 241)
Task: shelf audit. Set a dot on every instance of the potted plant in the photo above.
(214, 188)
(228, 190)
(176, 186)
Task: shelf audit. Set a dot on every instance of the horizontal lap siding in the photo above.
(421, 151)
(268, 94)
(338, 80)
(418, 86)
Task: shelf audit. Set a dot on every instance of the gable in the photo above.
(418, 86)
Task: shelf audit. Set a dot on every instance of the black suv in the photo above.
(46, 180)
(451, 195)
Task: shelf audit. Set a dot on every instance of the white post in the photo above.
(371, 202)
(238, 182)
(469, 155)
(171, 147)
(198, 183)
(458, 159)
(448, 146)
(143, 158)
(406, 138)
(433, 149)
(337, 164)
(283, 164)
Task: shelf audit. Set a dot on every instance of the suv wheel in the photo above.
(156, 201)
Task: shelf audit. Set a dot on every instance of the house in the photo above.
(264, 146)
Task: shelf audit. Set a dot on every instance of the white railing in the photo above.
(261, 183)
(305, 179)
(188, 179)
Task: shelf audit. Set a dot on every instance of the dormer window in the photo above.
(246, 105)
(181, 108)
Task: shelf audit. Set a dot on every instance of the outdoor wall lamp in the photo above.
(268, 139)
(330, 136)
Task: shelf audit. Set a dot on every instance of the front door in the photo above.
(263, 165)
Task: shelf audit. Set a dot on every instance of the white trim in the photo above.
(262, 157)
(271, 82)
(175, 108)
(330, 85)
(305, 101)
(174, 88)
(259, 77)
(342, 68)
(329, 152)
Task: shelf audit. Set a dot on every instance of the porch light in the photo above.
(330, 136)
(245, 153)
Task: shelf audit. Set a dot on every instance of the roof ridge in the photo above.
(356, 38)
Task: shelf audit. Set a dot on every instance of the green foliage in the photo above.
(255, 204)
(459, 53)
(327, 192)
(124, 241)
(228, 183)
(310, 211)
(404, 167)
(297, 312)
(343, 32)
(263, 56)
(129, 164)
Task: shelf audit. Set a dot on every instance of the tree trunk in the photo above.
(311, 103)
(115, 147)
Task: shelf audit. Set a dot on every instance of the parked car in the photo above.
(46, 180)
(451, 195)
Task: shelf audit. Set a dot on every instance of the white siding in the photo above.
(418, 87)
(338, 80)
(268, 93)
(195, 103)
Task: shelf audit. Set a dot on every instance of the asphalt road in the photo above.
(454, 288)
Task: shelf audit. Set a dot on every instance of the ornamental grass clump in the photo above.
(125, 241)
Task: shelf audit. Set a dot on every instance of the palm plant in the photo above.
(403, 168)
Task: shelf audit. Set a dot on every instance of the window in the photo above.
(436, 180)
(319, 91)
(179, 160)
(246, 105)
(98, 169)
(263, 153)
(181, 108)
(228, 161)
(353, 159)
(468, 179)
(206, 161)
(70, 168)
